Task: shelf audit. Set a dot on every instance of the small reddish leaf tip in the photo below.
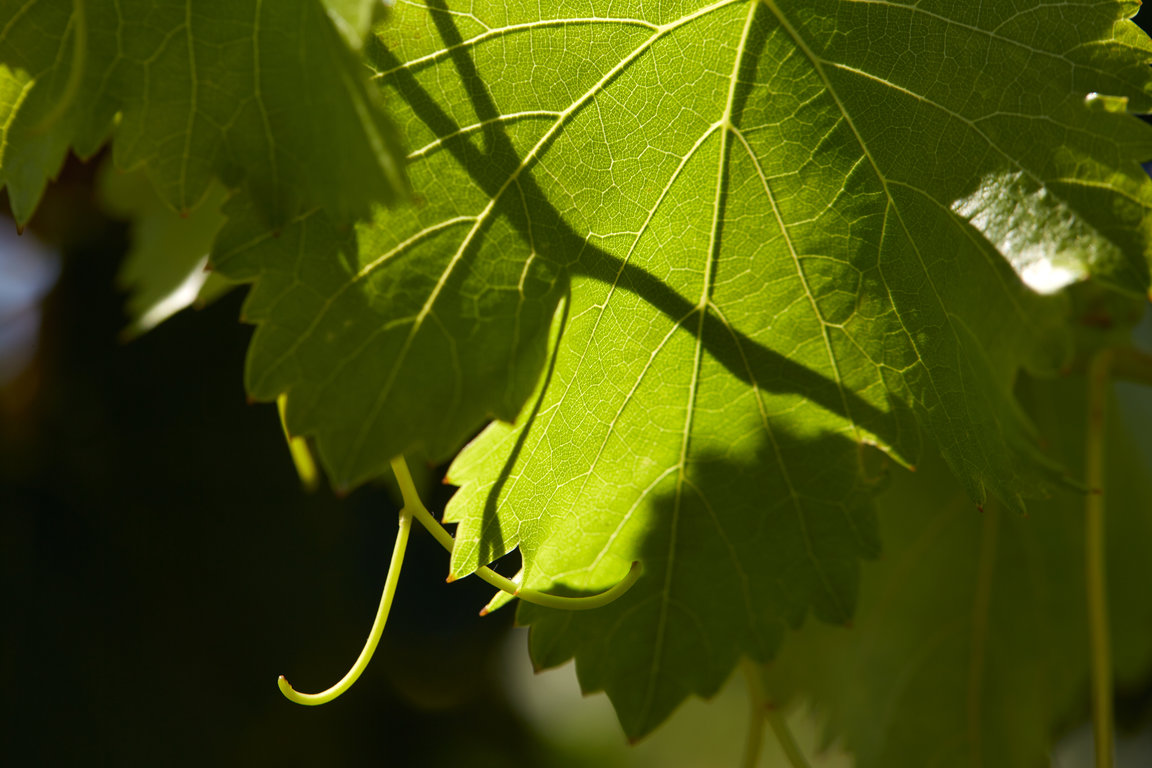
(979, 507)
(208, 266)
(249, 400)
(183, 213)
(341, 491)
(911, 467)
(1097, 491)
(848, 624)
(484, 611)
(276, 233)
(20, 229)
(451, 578)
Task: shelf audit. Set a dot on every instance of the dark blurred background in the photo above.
(161, 564)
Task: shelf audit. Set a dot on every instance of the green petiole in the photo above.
(412, 501)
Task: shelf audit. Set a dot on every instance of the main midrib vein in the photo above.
(702, 312)
(527, 162)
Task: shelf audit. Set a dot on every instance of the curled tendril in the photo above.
(314, 699)
(505, 585)
(413, 507)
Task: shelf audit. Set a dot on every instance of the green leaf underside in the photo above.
(702, 255)
(970, 647)
(259, 93)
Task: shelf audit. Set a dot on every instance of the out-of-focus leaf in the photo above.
(265, 95)
(970, 646)
(166, 266)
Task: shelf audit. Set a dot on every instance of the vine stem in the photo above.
(350, 677)
(758, 706)
(1094, 564)
(762, 710)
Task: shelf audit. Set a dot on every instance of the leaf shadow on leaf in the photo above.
(573, 255)
(734, 558)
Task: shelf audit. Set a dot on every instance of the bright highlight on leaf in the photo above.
(1044, 241)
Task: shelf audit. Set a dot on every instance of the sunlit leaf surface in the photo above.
(700, 258)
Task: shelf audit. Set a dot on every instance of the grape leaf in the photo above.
(264, 94)
(970, 646)
(703, 255)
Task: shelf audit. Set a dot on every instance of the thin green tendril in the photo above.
(314, 699)
(413, 507)
(419, 511)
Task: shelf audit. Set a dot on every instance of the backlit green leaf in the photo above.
(701, 257)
